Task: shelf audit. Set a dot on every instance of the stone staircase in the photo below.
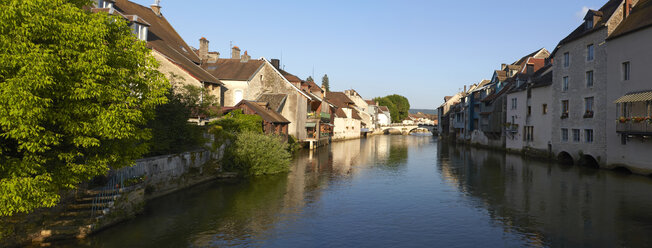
(80, 216)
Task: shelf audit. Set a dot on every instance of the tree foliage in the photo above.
(260, 154)
(398, 106)
(309, 79)
(325, 83)
(76, 90)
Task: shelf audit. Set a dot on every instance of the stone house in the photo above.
(495, 126)
(363, 107)
(255, 80)
(177, 60)
(580, 87)
(384, 117)
(373, 112)
(347, 121)
(629, 91)
(528, 105)
(444, 114)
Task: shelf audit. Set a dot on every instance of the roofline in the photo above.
(189, 73)
(629, 32)
(281, 75)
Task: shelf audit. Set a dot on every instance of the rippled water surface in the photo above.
(400, 191)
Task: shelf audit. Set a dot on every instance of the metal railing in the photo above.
(643, 127)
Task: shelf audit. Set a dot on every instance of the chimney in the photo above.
(235, 52)
(627, 8)
(203, 49)
(465, 88)
(276, 63)
(245, 57)
(156, 7)
(503, 66)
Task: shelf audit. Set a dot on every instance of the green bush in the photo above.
(260, 154)
(226, 128)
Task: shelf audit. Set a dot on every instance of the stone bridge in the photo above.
(407, 128)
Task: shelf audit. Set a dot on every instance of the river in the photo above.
(400, 191)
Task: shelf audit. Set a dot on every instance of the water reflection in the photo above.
(400, 191)
(550, 204)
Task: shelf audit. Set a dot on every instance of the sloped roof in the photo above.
(495, 95)
(370, 102)
(234, 69)
(501, 75)
(340, 100)
(290, 77)
(275, 101)
(261, 110)
(163, 38)
(605, 12)
(640, 17)
(383, 108)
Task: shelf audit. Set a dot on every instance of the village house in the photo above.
(273, 122)
(259, 80)
(373, 112)
(528, 109)
(580, 87)
(347, 120)
(384, 117)
(177, 60)
(629, 91)
(495, 126)
(361, 105)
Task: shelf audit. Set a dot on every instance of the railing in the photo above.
(324, 117)
(115, 184)
(643, 127)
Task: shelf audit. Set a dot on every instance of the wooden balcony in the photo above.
(633, 128)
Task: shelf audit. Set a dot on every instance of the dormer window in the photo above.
(140, 31)
(589, 24)
(104, 4)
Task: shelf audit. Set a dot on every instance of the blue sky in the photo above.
(423, 50)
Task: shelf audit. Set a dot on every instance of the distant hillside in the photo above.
(425, 111)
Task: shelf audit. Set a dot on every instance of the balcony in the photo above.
(323, 117)
(634, 128)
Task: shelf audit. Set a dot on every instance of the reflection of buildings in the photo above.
(561, 206)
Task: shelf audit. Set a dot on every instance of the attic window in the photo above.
(589, 24)
(140, 31)
(104, 4)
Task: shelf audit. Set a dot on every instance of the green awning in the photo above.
(311, 124)
(636, 97)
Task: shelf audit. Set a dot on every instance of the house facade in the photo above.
(347, 121)
(580, 86)
(629, 92)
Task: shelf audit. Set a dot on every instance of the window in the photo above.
(564, 134)
(514, 101)
(564, 85)
(528, 133)
(626, 71)
(237, 96)
(544, 109)
(588, 104)
(104, 4)
(566, 59)
(588, 135)
(140, 31)
(576, 135)
(589, 52)
(529, 110)
(589, 24)
(589, 79)
(564, 107)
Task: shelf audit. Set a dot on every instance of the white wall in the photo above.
(637, 49)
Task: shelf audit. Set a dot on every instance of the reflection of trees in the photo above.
(550, 204)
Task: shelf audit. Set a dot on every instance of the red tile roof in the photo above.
(233, 69)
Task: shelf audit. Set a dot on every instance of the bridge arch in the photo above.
(589, 161)
(565, 158)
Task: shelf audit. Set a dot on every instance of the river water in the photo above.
(400, 191)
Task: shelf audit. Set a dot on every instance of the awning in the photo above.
(311, 124)
(636, 97)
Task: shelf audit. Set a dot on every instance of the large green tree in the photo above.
(76, 90)
(398, 106)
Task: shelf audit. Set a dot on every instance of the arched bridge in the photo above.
(407, 128)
